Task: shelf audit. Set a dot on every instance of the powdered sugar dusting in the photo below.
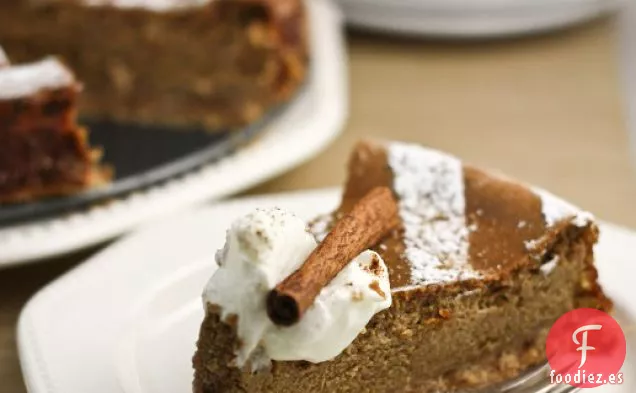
(25, 80)
(556, 209)
(430, 186)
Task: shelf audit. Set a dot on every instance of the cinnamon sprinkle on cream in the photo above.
(375, 286)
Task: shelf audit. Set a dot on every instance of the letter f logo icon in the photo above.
(583, 344)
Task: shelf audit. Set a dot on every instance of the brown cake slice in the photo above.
(213, 63)
(480, 269)
(43, 152)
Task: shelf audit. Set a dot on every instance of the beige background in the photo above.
(545, 109)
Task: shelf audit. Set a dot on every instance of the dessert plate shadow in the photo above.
(295, 134)
(127, 320)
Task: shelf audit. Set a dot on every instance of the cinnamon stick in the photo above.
(372, 218)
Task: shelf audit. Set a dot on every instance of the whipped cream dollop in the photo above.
(261, 250)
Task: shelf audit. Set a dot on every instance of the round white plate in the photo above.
(305, 128)
(472, 18)
(127, 320)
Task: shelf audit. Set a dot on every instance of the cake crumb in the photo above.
(509, 362)
(586, 284)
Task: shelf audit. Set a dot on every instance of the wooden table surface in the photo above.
(545, 109)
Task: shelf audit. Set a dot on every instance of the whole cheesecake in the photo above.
(480, 267)
(217, 64)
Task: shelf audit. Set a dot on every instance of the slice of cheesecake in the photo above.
(480, 267)
(43, 151)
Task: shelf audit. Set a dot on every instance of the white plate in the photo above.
(472, 18)
(127, 320)
(309, 124)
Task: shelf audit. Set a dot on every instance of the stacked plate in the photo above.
(472, 18)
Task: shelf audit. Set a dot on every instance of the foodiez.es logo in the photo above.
(586, 348)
